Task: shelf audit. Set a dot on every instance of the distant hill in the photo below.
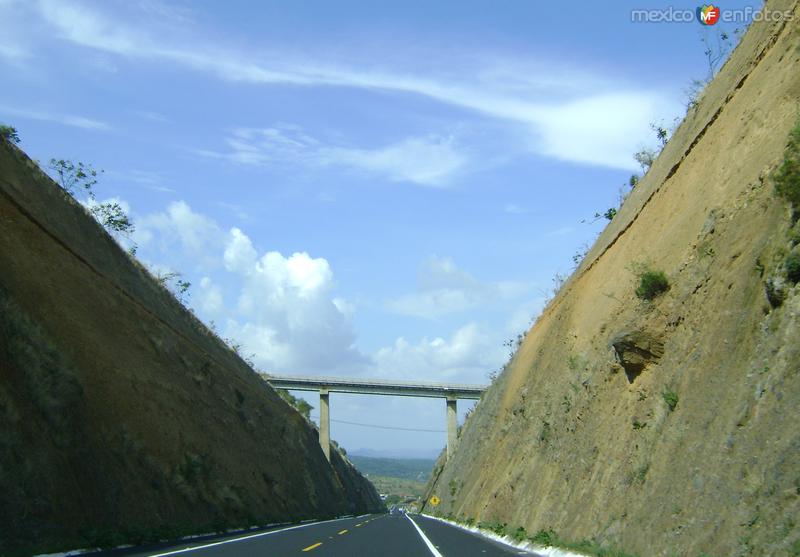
(414, 469)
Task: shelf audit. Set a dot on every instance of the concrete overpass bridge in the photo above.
(451, 392)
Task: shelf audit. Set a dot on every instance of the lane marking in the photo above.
(431, 547)
(310, 547)
(342, 532)
(259, 535)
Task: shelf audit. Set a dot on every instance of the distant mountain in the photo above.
(415, 469)
(421, 454)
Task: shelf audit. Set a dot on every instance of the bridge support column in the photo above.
(324, 423)
(452, 425)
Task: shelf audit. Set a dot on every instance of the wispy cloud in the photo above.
(570, 115)
(514, 209)
(563, 231)
(444, 288)
(429, 160)
(65, 119)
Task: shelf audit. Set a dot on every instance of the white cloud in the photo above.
(13, 53)
(466, 357)
(240, 255)
(513, 209)
(571, 115)
(180, 231)
(429, 160)
(208, 298)
(286, 314)
(444, 289)
(563, 231)
(64, 119)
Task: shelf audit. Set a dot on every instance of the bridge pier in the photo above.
(452, 425)
(326, 385)
(325, 423)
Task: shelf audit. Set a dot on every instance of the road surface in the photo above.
(379, 535)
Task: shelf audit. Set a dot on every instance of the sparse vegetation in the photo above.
(549, 538)
(519, 534)
(172, 281)
(71, 176)
(792, 265)
(9, 133)
(671, 398)
(498, 528)
(545, 537)
(787, 175)
(113, 218)
(651, 283)
(645, 157)
(78, 176)
(299, 404)
(609, 215)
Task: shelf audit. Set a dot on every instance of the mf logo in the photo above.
(708, 15)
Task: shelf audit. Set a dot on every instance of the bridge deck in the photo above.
(376, 387)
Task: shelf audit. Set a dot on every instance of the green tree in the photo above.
(77, 176)
(113, 217)
(71, 176)
(9, 133)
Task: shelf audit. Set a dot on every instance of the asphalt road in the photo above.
(379, 535)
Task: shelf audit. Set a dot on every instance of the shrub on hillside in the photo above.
(787, 176)
(792, 265)
(651, 284)
(546, 538)
(671, 398)
(9, 133)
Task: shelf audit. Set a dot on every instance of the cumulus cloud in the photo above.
(467, 356)
(180, 228)
(208, 298)
(286, 314)
(443, 289)
(281, 308)
(429, 160)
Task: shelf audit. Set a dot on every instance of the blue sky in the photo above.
(353, 188)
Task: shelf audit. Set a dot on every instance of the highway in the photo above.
(379, 535)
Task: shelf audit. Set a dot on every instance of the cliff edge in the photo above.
(666, 426)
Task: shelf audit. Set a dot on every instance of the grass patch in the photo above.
(651, 284)
(792, 265)
(671, 398)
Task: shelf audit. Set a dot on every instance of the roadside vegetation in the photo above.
(299, 404)
(543, 538)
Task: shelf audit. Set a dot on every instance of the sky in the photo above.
(354, 188)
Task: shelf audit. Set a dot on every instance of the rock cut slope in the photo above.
(667, 427)
(122, 418)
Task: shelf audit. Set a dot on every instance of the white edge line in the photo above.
(430, 545)
(260, 534)
(540, 550)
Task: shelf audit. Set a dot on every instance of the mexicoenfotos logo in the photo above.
(708, 15)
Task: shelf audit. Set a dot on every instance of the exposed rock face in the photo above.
(122, 418)
(695, 448)
(635, 351)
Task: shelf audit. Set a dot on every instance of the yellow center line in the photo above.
(342, 532)
(310, 547)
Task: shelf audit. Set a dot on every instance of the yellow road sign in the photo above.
(435, 500)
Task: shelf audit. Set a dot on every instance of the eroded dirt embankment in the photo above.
(665, 427)
(122, 418)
